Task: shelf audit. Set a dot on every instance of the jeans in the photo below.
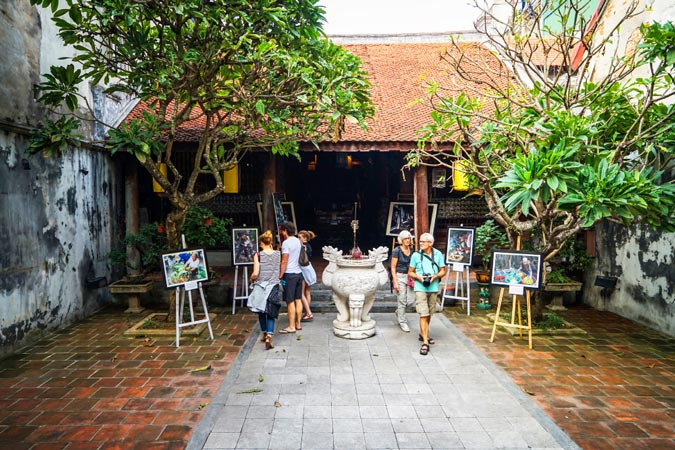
(266, 323)
(406, 297)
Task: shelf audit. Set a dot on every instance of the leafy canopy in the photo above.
(239, 74)
(554, 147)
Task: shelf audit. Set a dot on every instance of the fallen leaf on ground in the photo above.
(203, 405)
(526, 391)
(261, 378)
(201, 369)
(250, 391)
(277, 404)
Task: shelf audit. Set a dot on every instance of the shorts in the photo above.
(293, 288)
(425, 303)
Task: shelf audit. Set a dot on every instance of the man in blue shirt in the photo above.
(427, 268)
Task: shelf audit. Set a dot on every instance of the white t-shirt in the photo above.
(291, 247)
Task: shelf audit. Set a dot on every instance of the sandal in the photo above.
(286, 331)
(307, 318)
(424, 350)
(430, 339)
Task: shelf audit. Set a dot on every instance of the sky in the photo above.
(397, 16)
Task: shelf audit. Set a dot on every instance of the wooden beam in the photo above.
(421, 203)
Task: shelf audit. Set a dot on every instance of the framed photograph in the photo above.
(184, 266)
(510, 267)
(287, 213)
(244, 245)
(402, 217)
(460, 246)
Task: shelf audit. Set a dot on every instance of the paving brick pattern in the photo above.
(612, 387)
(90, 387)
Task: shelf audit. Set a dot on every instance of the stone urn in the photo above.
(354, 282)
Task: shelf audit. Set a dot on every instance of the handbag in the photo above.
(303, 259)
(273, 302)
(410, 282)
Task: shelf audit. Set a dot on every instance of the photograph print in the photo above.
(287, 212)
(402, 217)
(516, 268)
(184, 266)
(245, 244)
(460, 246)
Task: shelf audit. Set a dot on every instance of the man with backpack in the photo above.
(427, 268)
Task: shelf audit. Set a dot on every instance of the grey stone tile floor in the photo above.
(318, 391)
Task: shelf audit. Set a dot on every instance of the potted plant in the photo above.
(566, 272)
(488, 238)
(203, 229)
(150, 242)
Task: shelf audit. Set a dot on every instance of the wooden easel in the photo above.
(243, 289)
(459, 293)
(515, 306)
(180, 306)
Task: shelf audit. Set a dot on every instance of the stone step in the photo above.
(322, 300)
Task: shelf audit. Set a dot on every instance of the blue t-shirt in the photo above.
(423, 265)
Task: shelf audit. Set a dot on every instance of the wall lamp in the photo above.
(607, 284)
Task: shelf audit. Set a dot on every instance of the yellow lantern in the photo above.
(231, 180)
(460, 179)
(156, 187)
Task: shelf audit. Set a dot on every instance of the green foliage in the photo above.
(551, 321)
(239, 74)
(54, 137)
(151, 244)
(557, 276)
(489, 237)
(203, 229)
(552, 156)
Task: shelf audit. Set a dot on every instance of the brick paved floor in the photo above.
(90, 387)
(612, 387)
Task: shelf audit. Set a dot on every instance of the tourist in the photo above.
(265, 277)
(400, 260)
(427, 268)
(291, 276)
(308, 275)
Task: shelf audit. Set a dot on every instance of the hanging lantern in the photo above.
(231, 180)
(460, 180)
(156, 187)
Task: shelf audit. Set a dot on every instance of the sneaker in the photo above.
(405, 328)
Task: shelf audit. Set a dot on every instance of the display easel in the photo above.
(243, 289)
(461, 273)
(515, 307)
(180, 306)
(512, 324)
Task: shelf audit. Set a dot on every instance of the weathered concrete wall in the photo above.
(56, 214)
(642, 259)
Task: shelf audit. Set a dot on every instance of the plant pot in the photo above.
(483, 276)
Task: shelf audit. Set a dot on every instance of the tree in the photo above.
(556, 142)
(241, 74)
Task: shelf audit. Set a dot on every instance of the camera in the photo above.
(426, 280)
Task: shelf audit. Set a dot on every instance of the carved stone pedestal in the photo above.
(354, 283)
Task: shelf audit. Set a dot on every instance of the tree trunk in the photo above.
(174, 225)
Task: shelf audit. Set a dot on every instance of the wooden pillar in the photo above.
(269, 187)
(421, 202)
(132, 216)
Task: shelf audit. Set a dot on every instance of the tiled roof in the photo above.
(398, 74)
